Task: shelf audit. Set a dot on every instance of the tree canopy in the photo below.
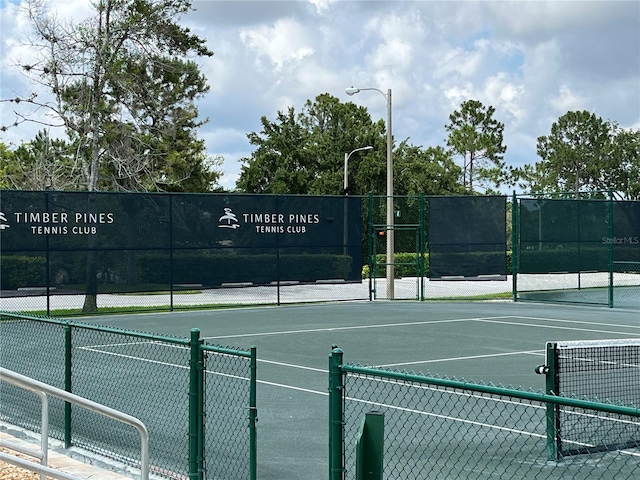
(584, 153)
(478, 138)
(304, 153)
(123, 87)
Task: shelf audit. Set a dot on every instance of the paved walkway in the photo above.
(62, 460)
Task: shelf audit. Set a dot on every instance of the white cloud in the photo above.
(461, 62)
(532, 61)
(506, 94)
(283, 42)
(566, 99)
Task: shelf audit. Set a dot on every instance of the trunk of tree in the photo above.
(91, 292)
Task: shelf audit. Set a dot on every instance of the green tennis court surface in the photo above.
(497, 342)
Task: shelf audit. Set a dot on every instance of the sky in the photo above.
(533, 61)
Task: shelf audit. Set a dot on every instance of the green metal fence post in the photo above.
(67, 384)
(336, 416)
(171, 259)
(253, 418)
(514, 245)
(370, 447)
(610, 249)
(421, 251)
(371, 248)
(196, 407)
(552, 417)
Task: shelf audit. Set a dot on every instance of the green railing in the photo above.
(198, 401)
(441, 428)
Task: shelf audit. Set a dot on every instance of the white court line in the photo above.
(394, 407)
(471, 357)
(554, 327)
(291, 365)
(579, 321)
(291, 387)
(355, 327)
(166, 364)
(448, 417)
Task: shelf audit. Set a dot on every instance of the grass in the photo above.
(76, 312)
(476, 298)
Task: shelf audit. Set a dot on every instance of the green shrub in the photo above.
(213, 269)
(19, 271)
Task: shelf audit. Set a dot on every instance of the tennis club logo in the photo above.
(228, 220)
(3, 222)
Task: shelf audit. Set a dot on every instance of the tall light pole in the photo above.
(390, 230)
(346, 163)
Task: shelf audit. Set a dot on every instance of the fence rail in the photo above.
(27, 383)
(445, 428)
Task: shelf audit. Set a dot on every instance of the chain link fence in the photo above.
(197, 401)
(584, 251)
(440, 428)
(461, 239)
(77, 252)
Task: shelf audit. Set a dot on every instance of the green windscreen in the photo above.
(467, 236)
(152, 242)
(563, 235)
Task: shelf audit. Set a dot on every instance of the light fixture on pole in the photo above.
(345, 237)
(389, 231)
(346, 163)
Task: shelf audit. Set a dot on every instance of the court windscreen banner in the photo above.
(147, 242)
(467, 237)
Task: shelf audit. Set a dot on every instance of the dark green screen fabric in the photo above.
(467, 236)
(566, 235)
(139, 242)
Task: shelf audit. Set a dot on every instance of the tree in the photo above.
(623, 175)
(41, 164)
(122, 88)
(476, 136)
(304, 153)
(584, 153)
(429, 172)
(6, 159)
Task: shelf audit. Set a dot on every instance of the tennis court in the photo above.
(499, 342)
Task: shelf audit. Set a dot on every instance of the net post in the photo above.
(196, 414)
(370, 447)
(553, 440)
(336, 415)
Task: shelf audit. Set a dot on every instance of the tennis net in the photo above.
(598, 370)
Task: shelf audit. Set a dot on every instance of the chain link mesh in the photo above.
(226, 433)
(435, 432)
(578, 251)
(140, 374)
(144, 377)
